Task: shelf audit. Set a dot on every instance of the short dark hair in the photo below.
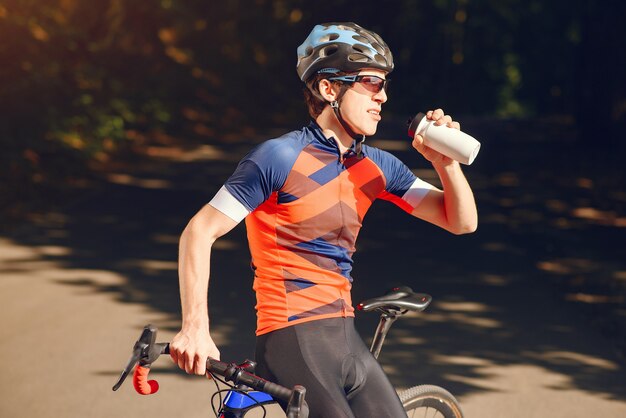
(313, 102)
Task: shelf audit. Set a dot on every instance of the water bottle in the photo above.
(450, 142)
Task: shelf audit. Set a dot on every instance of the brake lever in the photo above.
(145, 352)
(134, 359)
(297, 407)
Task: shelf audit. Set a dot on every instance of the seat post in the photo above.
(386, 320)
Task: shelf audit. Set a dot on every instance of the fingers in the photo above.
(441, 118)
(434, 114)
(418, 143)
(199, 364)
(189, 361)
(178, 355)
(444, 120)
(192, 358)
(173, 354)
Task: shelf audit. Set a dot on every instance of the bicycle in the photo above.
(419, 399)
(249, 391)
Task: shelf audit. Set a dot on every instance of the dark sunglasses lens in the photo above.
(373, 83)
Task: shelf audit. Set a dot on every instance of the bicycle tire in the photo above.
(425, 400)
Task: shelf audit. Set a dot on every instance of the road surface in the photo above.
(78, 284)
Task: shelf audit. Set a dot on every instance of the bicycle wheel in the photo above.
(430, 401)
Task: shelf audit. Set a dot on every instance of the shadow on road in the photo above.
(540, 284)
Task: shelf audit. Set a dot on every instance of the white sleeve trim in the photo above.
(416, 193)
(229, 205)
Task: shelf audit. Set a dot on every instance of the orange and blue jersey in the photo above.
(304, 205)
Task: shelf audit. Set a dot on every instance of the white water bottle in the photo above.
(450, 142)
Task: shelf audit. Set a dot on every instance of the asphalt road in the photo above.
(504, 333)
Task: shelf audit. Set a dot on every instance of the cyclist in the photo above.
(303, 197)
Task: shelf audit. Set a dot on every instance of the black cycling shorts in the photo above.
(328, 357)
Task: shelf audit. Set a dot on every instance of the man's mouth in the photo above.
(375, 113)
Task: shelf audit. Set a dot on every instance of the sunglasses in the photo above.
(371, 82)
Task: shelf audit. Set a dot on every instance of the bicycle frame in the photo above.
(392, 305)
(237, 404)
(146, 350)
(386, 321)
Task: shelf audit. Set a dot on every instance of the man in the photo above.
(304, 196)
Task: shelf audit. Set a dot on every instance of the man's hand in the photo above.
(191, 348)
(430, 154)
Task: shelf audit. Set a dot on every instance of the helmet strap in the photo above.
(335, 104)
(358, 138)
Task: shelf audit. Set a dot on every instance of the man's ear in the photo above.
(327, 90)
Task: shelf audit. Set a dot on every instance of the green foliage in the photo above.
(78, 76)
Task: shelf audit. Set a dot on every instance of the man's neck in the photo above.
(332, 128)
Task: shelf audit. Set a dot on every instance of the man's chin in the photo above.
(371, 130)
(368, 130)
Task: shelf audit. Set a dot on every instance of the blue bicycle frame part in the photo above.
(239, 400)
(237, 404)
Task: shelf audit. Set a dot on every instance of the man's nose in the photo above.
(381, 96)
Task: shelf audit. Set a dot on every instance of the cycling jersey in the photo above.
(304, 205)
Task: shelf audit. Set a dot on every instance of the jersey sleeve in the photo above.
(402, 187)
(260, 173)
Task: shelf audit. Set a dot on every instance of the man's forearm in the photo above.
(459, 203)
(194, 262)
(193, 344)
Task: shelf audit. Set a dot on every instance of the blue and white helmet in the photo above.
(332, 47)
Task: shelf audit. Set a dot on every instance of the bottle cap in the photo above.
(414, 123)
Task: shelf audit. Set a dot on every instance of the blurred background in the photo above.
(119, 119)
(82, 80)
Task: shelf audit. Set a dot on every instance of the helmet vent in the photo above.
(380, 59)
(328, 51)
(378, 48)
(329, 38)
(345, 47)
(358, 58)
(360, 48)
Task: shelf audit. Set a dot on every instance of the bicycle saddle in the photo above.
(397, 299)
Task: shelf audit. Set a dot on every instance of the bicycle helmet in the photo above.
(332, 47)
(342, 47)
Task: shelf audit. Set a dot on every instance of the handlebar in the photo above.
(146, 351)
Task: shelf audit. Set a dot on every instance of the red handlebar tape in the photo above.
(141, 383)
